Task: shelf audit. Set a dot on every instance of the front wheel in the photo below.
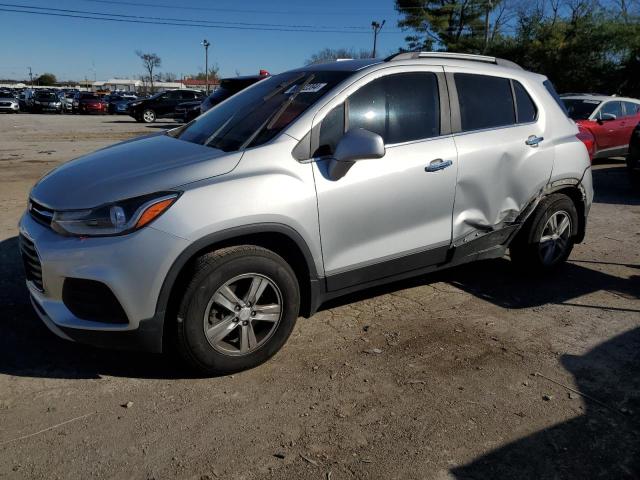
(633, 161)
(148, 116)
(238, 310)
(546, 240)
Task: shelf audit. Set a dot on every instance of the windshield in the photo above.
(46, 96)
(256, 115)
(86, 96)
(579, 108)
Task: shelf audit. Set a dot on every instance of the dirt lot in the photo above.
(467, 384)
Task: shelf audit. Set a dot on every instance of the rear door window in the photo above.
(631, 109)
(485, 101)
(400, 107)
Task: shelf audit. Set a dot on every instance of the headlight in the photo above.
(113, 219)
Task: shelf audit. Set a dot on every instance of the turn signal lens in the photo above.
(154, 211)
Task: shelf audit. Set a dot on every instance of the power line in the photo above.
(48, 11)
(187, 20)
(320, 11)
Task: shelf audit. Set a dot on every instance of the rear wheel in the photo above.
(633, 161)
(238, 310)
(548, 237)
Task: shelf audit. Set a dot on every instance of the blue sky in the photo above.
(74, 48)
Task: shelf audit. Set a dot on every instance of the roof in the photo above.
(341, 65)
(599, 98)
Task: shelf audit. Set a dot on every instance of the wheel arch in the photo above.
(279, 238)
(575, 191)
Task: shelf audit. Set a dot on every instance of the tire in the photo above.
(148, 116)
(548, 220)
(229, 346)
(633, 162)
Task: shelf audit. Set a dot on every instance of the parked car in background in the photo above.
(161, 105)
(46, 101)
(66, 98)
(9, 104)
(610, 120)
(25, 100)
(633, 157)
(212, 239)
(187, 111)
(87, 102)
(119, 104)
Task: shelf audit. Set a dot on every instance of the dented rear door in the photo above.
(504, 161)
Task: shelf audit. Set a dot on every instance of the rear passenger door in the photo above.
(631, 119)
(504, 159)
(392, 214)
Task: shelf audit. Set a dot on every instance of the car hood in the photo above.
(137, 167)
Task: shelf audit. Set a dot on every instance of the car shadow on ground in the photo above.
(613, 185)
(29, 349)
(158, 124)
(604, 442)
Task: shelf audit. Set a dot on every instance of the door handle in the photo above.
(438, 164)
(534, 141)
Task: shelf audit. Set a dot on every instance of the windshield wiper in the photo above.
(282, 87)
(269, 122)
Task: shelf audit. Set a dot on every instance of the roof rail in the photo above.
(453, 56)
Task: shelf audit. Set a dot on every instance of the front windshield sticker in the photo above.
(311, 88)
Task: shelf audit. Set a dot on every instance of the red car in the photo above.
(605, 123)
(87, 102)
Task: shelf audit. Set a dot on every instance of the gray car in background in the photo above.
(9, 104)
(215, 236)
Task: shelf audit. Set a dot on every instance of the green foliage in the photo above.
(46, 79)
(455, 25)
(581, 45)
(213, 74)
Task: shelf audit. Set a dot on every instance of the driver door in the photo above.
(393, 214)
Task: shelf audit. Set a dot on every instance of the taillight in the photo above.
(586, 137)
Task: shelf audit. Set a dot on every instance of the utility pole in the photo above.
(486, 24)
(206, 45)
(376, 29)
(30, 76)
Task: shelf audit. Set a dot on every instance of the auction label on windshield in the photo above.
(311, 88)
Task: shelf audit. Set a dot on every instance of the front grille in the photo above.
(40, 213)
(31, 261)
(5, 104)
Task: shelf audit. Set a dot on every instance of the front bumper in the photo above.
(10, 108)
(132, 266)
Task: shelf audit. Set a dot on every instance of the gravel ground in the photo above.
(479, 372)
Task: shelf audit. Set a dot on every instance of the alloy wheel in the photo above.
(555, 237)
(149, 116)
(243, 314)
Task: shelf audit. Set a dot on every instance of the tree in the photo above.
(46, 79)
(213, 74)
(150, 61)
(331, 54)
(168, 77)
(457, 25)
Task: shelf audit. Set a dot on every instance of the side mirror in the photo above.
(357, 144)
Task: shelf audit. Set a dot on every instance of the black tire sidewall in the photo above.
(191, 335)
(526, 249)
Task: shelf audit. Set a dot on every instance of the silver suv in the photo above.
(215, 236)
